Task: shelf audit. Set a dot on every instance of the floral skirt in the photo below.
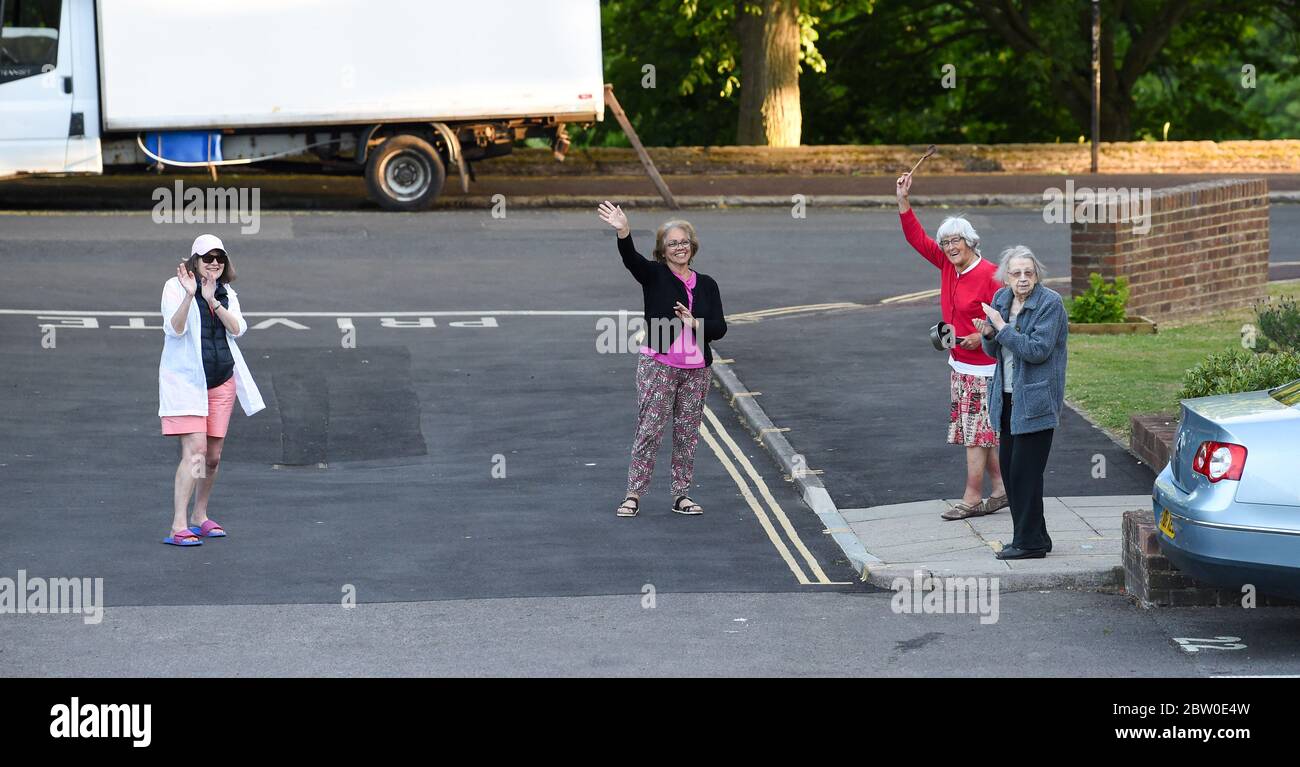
(968, 420)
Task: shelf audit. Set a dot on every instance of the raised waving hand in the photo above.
(186, 278)
(614, 216)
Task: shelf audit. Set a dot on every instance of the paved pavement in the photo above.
(373, 466)
(911, 537)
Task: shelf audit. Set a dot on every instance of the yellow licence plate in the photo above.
(1166, 524)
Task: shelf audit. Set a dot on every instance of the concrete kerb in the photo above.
(810, 486)
(776, 201)
(745, 201)
(689, 202)
(1107, 581)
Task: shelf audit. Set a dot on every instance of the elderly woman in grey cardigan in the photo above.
(1025, 330)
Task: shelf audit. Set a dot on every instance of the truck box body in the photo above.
(259, 64)
(402, 89)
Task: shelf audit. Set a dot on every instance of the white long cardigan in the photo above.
(182, 385)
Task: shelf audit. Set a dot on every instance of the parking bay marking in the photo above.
(1193, 644)
(493, 313)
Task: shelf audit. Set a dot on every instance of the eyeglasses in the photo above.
(675, 244)
(208, 258)
(951, 241)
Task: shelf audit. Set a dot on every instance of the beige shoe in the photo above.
(963, 510)
(996, 502)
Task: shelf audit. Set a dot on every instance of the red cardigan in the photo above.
(960, 295)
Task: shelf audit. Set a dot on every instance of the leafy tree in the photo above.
(748, 54)
(1019, 70)
(1137, 37)
(888, 72)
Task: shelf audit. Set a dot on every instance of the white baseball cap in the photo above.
(205, 243)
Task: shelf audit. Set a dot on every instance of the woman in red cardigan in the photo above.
(967, 282)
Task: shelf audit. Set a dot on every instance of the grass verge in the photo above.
(1111, 377)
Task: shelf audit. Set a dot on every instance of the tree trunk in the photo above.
(769, 75)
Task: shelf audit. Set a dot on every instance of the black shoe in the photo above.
(1011, 552)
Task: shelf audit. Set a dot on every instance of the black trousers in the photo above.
(1024, 459)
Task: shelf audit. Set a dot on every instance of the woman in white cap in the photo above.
(199, 377)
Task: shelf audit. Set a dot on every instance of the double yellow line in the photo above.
(818, 577)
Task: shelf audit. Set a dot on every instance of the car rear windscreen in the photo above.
(1287, 394)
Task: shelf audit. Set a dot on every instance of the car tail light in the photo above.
(1219, 460)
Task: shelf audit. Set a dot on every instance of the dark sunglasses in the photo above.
(208, 258)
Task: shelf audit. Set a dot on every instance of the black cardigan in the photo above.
(661, 289)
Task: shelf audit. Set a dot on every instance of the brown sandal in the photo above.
(963, 510)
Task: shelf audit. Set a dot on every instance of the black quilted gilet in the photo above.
(218, 362)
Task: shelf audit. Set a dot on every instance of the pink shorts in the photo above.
(221, 402)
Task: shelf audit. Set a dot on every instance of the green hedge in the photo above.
(1101, 302)
(1239, 370)
(1279, 322)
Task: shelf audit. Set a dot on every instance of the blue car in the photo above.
(1228, 504)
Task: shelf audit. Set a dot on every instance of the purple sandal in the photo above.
(208, 529)
(183, 538)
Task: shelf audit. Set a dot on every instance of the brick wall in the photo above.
(1225, 157)
(1149, 577)
(1151, 438)
(1153, 581)
(1206, 250)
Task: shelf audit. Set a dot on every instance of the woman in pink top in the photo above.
(683, 312)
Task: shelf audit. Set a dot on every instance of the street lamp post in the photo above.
(1096, 81)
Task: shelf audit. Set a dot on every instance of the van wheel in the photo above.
(405, 173)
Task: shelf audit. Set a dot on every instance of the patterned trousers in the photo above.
(666, 393)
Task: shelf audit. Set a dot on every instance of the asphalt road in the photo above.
(426, 463)
(757, 634)
(288, 187)
(372, 467)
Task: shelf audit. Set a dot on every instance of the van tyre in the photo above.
(405, 173)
